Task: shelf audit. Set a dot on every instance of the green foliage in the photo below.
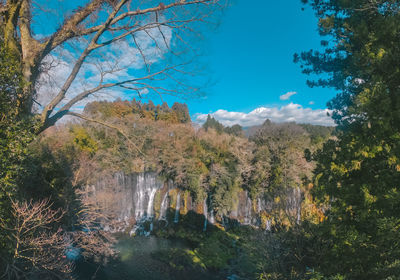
(360, 59)
(211, 122)
(248, 252)
(260, 176)
(49, 173)
(318, 134)
(83, 140)
(235, 130)
(180, 259)
(312, 275)
(212, 251)
(182, 112)
(10, 85)
(14, 128)
(279, 161)
(357, 173)
(16, 132)
(217, 250)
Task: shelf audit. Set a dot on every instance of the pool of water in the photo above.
(138, 261)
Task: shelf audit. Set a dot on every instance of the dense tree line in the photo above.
(211, 122)
(214, 160)
(178, 113)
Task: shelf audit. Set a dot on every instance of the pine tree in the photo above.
(358, 174)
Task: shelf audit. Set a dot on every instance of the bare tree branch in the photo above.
(158, 33)
(35, 242)
(65, 109)
(71, 30)
(92, 45)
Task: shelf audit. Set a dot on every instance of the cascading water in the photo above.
(139, 197)
(205, 211)
(146, 189)
(133, 198)
(178, 207)
(212, 218)
(235, 212)
(268, 225)
(259, 207)
(163, 208)
(298, 198)
(150, 205)
(293, 204)
(125, 212)
(247, 217)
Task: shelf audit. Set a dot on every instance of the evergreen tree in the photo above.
(182, 112)
(213, 123)
(358, 174)
(234, 130)
(165, 108)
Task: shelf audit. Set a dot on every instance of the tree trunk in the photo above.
(31, 56)
(10, 22)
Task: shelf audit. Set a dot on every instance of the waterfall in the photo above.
(150, 205)
(235, 211)
(178, 207)
(205, 210)
(164, 207)
(125, 212)
(268, 225)
(293, 204)
(140, 197)
(131, 199)
(144, 193)
(259, 205)
(212, 219)
(247, 218)
(298, 215)
(298, 196)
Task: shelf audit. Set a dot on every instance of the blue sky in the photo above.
(249, 59)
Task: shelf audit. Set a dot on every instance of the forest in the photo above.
(136, 189)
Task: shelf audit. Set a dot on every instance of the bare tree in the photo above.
(91, 237)
(38, 247)
(89, 46)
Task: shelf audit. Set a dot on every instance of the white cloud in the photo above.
(311, 103)
(119, 61)
(287, 95)
(288, 113)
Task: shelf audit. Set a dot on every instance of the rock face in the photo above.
(137, 201)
